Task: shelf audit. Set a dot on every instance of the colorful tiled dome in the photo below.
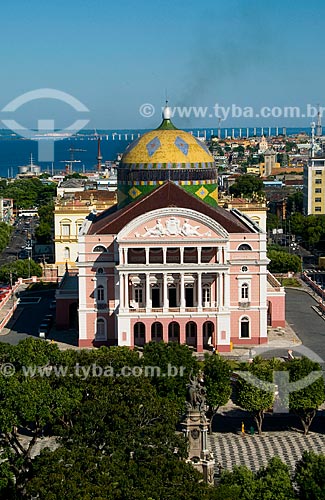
(167, 154)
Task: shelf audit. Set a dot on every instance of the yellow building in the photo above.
(314, 186)
(69, 215)
(255, 210)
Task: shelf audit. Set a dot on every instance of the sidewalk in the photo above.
(8, 309)
(279, 338)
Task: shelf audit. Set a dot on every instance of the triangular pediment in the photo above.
(172, 224)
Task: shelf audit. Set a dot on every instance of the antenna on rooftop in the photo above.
(312, 149)
(319, 128)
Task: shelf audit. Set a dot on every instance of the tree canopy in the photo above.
(247, 185)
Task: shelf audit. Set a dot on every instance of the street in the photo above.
(307, 324)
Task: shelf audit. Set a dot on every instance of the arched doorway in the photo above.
(139, 334)
(191, 334)
(173, 332)
(208, 334)
(156, 332)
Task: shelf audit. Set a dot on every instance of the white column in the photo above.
(220, 303)
(147, 255)
(164, 249)
(121, 280)
(182, 291)
(127, 291)
(218, 255)
(199, 291)
(165, 291)
(125, 252)
(226, 284)
(182, 254)
(120, 251)
(199, 254)
(148, 298)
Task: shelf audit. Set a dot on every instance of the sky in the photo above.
(116, 56)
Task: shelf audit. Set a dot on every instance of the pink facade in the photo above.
(170, 268)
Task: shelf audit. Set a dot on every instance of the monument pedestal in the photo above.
(195, 429)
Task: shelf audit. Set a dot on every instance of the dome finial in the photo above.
(167, 113)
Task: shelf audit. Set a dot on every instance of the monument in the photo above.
(195, 428)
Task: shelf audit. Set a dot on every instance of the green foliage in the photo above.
(255, 388)
(269, 483)
(290, 282)
(247, 185)
(167, 356)
(295, 202)
(217, 383)
(5, 233)
(272, 221)
(75, 175)
(310, 476)
(28, 193)
(305, 401)
(43, 232)
(282, 262)
(310, 228)
(20, 269)
(85, 474)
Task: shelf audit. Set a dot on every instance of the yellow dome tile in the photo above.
(167, 146)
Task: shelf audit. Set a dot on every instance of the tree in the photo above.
(306, 400)
(247, 185)
(272, 221)
(217, 383)
(269, 483)
(20, 269)
(310, 476)
(5, 233)
(30, 405)
(255, 389)
(283, 262)
(273, 482)
(43, 232)
(85, 473)
(295, 202)
(175, 362)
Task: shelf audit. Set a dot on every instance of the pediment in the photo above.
(172, 224)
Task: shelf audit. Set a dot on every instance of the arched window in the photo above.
(206, 295)
(139, 334)
(100, 329)
(100, 293)
(156, 331)
(244, 328)
(244, 247)
(100, 270)
(173, 332)
(191, 334)
(244, 291)
(67, 253)
(99, 249)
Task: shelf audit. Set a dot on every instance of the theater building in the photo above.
(167, 263)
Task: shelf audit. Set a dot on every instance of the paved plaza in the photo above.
(231, 447)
